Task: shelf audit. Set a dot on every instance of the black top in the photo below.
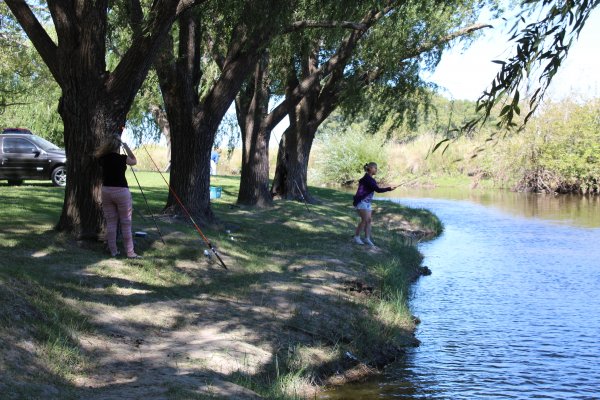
(113, 169)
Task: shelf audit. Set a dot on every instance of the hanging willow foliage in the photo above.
(540, 49)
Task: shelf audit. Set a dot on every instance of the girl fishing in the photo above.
(362, 202)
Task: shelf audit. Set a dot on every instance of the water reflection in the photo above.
(575, 210)
(511, 310)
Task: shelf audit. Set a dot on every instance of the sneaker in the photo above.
(357, 240)
(117, 254)
(368, 241)
(134, 257)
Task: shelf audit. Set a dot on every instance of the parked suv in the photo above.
(24, 155)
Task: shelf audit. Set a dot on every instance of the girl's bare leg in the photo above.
(367, 221)
(363, 221)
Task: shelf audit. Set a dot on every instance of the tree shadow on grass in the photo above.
(175, 314)
(279, 309)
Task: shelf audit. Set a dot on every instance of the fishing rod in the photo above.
(147, 205)
(208, 243)
(407, 181)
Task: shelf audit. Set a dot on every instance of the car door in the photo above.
(21, 158)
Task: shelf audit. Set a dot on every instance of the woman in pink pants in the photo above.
(116, 197)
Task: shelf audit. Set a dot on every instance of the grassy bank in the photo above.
(300, 306)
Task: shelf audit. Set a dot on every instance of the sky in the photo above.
(464, 74)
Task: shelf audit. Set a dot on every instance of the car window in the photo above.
(43, 143)
(18, 145)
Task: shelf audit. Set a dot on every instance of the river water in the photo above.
(512, 309)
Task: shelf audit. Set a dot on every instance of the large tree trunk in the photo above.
(85, 124)
(191, 138)
(194, 122)
(252, 109)
(190, 171)
(94, 101)
(291, 173)
(254, 180)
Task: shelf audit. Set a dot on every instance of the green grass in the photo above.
(47, 278)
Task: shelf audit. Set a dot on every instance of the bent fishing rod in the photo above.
(208, 243)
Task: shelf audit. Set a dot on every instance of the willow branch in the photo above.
(37, 34)
(427, 46)
(299, 25)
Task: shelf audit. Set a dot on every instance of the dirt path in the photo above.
(168, 348)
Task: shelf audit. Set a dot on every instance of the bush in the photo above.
(557, 152)
(341, 156)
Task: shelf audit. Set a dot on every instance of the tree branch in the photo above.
(134, 65)
(216, 56)
(299, 25)
(336, 62)
(136, 17)
(37, 34)
(427, 46)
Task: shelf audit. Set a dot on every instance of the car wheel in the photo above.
(59, 176)
(15, 182)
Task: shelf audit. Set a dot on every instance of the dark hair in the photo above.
(109, 145)
(369, 165)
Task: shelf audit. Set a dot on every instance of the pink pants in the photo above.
(117, 205)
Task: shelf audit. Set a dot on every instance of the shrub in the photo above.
(341, 156)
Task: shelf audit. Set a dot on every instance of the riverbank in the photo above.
(300, 307)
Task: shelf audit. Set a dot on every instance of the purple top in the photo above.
(366, 187)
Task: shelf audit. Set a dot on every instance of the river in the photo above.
(512, 309)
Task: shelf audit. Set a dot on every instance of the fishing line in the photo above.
(147, 205)
(208, 243)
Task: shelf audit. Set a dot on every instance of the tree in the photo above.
(200, 79)
(254, 118)
(28, 92)
(94, 100)
(402, 38)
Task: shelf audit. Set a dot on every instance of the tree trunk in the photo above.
(194, 121)
(84, 127)
(94, 101)
(254, 180)
(190, 170)
(251, 110)
(291, 172)
(190, 135)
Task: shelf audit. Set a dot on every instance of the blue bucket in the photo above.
(215, 192)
